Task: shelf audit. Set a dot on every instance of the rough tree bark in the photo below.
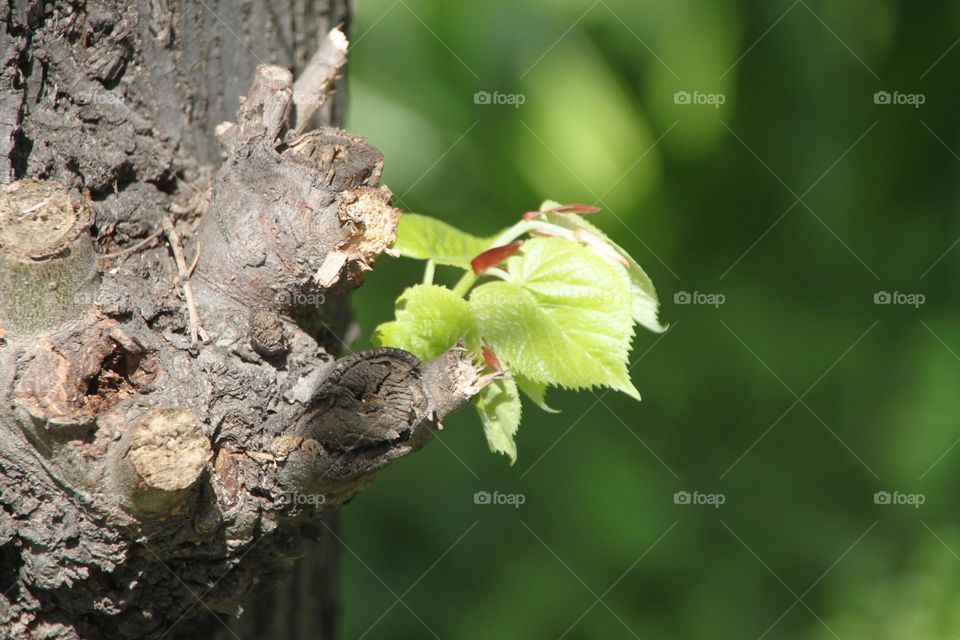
(178, 416)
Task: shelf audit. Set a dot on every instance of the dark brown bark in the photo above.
(173, 433)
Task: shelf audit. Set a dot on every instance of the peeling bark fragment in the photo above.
(374, 225)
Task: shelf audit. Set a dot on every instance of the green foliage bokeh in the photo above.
(696, 193)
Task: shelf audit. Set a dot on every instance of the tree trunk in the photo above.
(178, 423)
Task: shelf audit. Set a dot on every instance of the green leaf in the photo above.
(562, 313)
(499, 408)
(564, 319)
(535, 391)
(430, 319)
(645, 303)
(426, 238)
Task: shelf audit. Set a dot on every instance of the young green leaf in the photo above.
(643, 293)
(535, 391)
(564, 318)
(426, 238)
(430, 319)
(560, 312)
(499, 408)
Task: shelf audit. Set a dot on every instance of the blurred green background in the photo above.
(798, 199)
